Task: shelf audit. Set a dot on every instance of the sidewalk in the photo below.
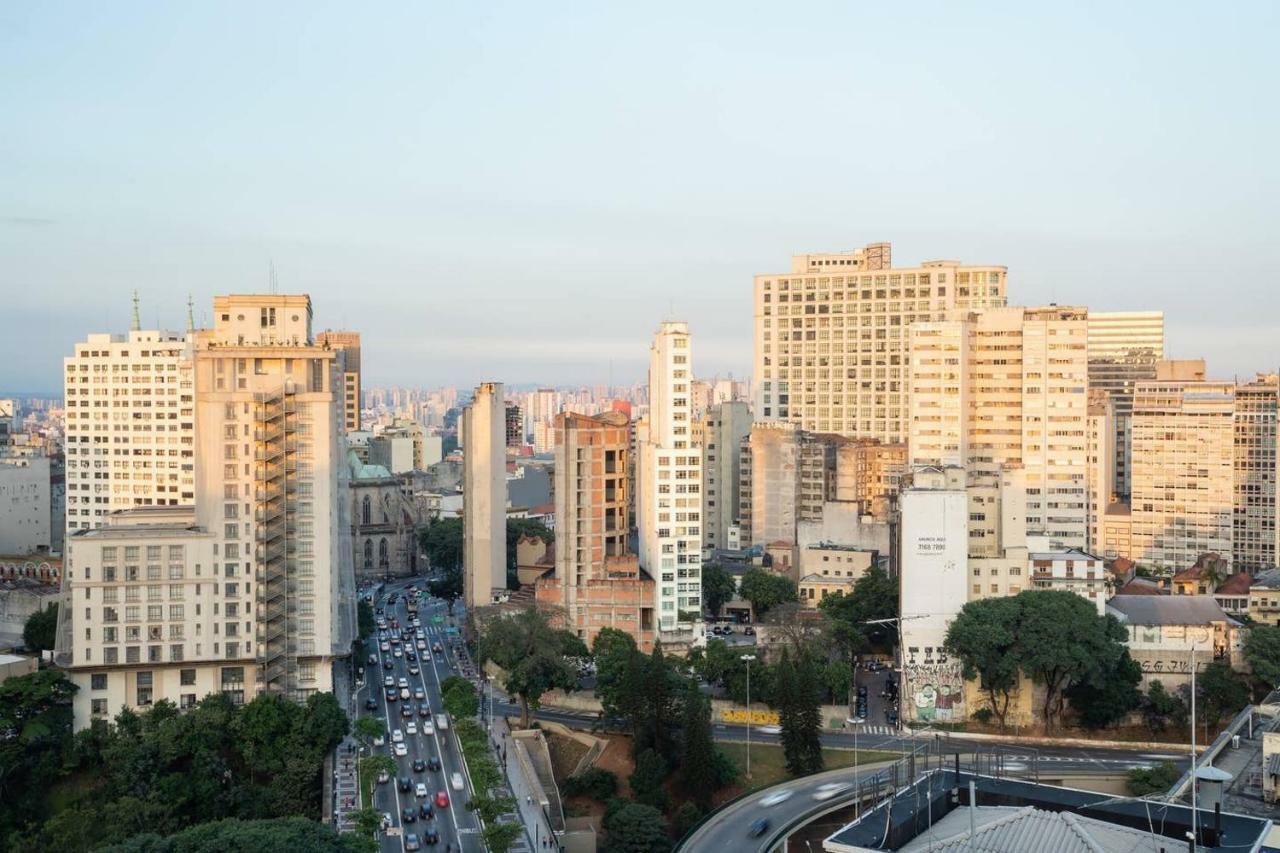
(538, 831)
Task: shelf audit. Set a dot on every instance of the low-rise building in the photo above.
(835, 560)
(1264, 598)
(815, 587)
(1164, 630)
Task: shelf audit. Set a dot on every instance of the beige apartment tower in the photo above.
(1124, 348)
(726, 426)
(831, 346)
(348, 344)
(1254, 529)
(484, 496)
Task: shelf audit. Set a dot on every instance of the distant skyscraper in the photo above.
(1124, 347)
(484, 495)
(831, 336)
(514, 429)
(347, 343)
(669, 508)
(130, 425)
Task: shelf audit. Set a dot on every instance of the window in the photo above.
(99, 707)
(188, 677)
(98, 681)
(144, 688)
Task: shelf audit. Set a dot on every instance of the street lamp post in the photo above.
(748, 659)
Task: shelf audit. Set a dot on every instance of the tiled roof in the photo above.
(1026, 829)
(1237, 584)
(1167, 610)
(1140, 586)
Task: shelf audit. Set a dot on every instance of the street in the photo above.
(458, 828)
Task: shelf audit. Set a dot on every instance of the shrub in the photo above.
(597, 783)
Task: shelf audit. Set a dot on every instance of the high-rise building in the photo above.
(597, 582)
(1100, 438)
(1008, 388)
(831, 347)
(1183, 460)
(1124, 347)
(787, 474)
(348, 344)
(870, 474)
(1254, 528)
(130, 425)
(484, 496)
(669, 509)
(725, 427)
(514, 430)
(251, 589)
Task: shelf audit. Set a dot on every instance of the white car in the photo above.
(777, 797)
(770, 730)
(388, 682)
(401, 750)
(421, 790)
(404, 693)
(419, 694)
(456, 781)
(411, 729)
(442, 722)
(383, 777)
(829, 790)
(386, 647)
(379, 739)
(404, 682)
(397, 736)
(397, 653)
(427, 728)
(422, 645)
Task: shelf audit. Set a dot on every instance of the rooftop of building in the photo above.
(1027, 829)
(1168, 610)
(1238, 584)
(829, 546)
(816, 578)
(5, 659)
(1065, 554)
(364, 471)
(1202, 565)
(146, 521)
(1122, 565)
(1141, 586)
(1267, 579)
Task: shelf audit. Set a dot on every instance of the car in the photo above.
(771, 730)
(427, 728)
(404, 784)
(429, 836)
(397, 736)
(379, 740)
(411, 841)
(758, 827)
(391, 694)
(373, 659)
(749, 631)
(426, 657)
(426, 812)
(442, 722)
(423, 710)
(383, 777)
(409, 655)
(395, 640)
(862, 691)
(413, 669)
(433, 763)
(404, 682)
(412, 728)
(386, 647)
(779, 796)
(456, 781)
(830, 789)
(420, 790)
(404, 693)
(419, 766)
(422, 645)
(371, 704)
(389, 681)
(406, 710)
(408, 815)
(387, 664)
(419, 694)
(401, 750)
(435, 647)
(397, 653)
(442, 799)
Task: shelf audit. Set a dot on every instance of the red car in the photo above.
(442, 799)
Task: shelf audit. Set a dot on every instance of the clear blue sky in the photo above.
(521, 191)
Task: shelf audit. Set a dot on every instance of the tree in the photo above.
(35, 723)
(984, 636)
(764, 589)
(698, 767)
(442, 543)
(837, 678)
(1262, 653)
(1223, 692)
(874, 597)
(1154, 780)
(1062, 641)
(660, 702)
(368, 728)
(38, 634)
(459, 697)
(796, 697)
(613, 652)
(501, 837)
(597, 783)
(1110, 695)
(686, 818)
(718, 587)
(241, 836)
(635, 828)
(1160, 706)
(533, 654)
(372, 765)
(365, 619)
(647, 780)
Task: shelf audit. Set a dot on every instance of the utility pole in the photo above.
(748, 659)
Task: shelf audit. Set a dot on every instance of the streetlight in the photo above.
(748, 659)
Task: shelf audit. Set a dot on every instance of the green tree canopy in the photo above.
(698, 767)
(1262, 653)
(635, 828)
(442, 543)
(1160, 707)
(38, 634)
(241, 836)
(984, 636)
(1222, 691)
(647, 780)
(764, 589)
(459, 697)
(797, 697)
(1109, 696)
(874, 596)
(365, 619)
(533, 654)
(718, 587)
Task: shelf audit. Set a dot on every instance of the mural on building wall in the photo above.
(935, 692)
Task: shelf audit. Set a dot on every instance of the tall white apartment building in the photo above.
(831, 345)
(1124, 348)
(1183, 481)
(727, 424)
(251, 589)
(1008, 388)
(484, 496)
(669, 510)
(130, 425)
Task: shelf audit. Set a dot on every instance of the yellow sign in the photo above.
(758, 718)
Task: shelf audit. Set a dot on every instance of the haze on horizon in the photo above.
(522, 192)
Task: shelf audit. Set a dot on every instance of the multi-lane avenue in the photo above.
(457, 828)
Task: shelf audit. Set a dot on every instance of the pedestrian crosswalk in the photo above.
(874, 730)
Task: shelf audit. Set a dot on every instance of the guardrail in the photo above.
(1213, 750)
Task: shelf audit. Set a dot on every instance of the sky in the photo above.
(521, 192)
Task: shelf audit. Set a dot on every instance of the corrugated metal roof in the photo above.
(1167, 609)
(1007, 829)
(1273, 765)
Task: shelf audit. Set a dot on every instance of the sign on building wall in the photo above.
(756, 718)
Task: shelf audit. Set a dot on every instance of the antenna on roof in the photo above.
(273, 283)
(191, 317)
(136, 324)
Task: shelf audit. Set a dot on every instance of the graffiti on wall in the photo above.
(934, 692)
(757, 718)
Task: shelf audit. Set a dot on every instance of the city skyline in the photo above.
(158, 176)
